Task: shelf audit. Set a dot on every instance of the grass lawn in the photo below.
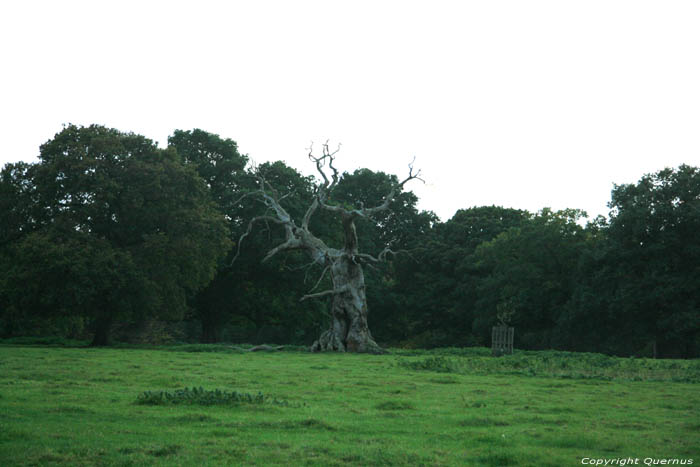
(79, 406)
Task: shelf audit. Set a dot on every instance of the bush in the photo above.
(439, 364)
(200, 396)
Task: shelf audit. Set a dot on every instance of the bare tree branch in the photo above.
(381, 257)
(337, 209)
(249, 229)
(302, 267)
(306, 273)
(286, 195)
(309, 212)
(323, 274)
(291, 244)
(385, 204)
(367, 256)
(324, 190)
(246, 195)
(369, 212)
(325, 293)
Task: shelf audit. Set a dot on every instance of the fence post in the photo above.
(502, 340)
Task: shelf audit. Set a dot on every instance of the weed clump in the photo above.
(200, 396)
(482, 422)
(444, 380)
(309, 423)
(165, 451)
(393, 405)
(438, 364)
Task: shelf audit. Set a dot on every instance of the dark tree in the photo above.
(348, 330)
(220, 164)
(434, 289)
(108, 226)
(216, 160)
(528, 273)
(642, 290)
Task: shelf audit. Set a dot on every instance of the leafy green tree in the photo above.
(121, 204)
(17, 202)
(53, 279)
(642, 288)
(220, 164)
(529, 274)
(216, 160)
(437, 284)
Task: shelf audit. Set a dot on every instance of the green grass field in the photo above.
(80, 406)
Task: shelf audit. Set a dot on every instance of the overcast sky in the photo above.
(522, 104)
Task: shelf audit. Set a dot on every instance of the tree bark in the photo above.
(103, 326)
(209, 332)
(348, 331)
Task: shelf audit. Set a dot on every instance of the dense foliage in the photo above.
(109, 235)
(106, 227)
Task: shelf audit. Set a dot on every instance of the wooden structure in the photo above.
(502, 340)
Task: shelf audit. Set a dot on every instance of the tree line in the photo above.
(109, 237)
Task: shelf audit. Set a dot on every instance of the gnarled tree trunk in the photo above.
(348, 331)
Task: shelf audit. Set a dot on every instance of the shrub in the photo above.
(439, 364)
(200, 396)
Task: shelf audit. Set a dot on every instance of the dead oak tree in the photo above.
(348, 331)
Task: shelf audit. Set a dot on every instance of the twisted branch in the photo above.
(249, 229)
(323, 274)
(369, 212)
(325, 293)
(324, 190)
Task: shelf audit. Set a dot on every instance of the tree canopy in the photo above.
(108, 233)
(116, 229)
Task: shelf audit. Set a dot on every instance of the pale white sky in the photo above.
(521, 103)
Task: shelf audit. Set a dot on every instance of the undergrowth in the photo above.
(439, 364)
(200, 396)
(566, 365)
